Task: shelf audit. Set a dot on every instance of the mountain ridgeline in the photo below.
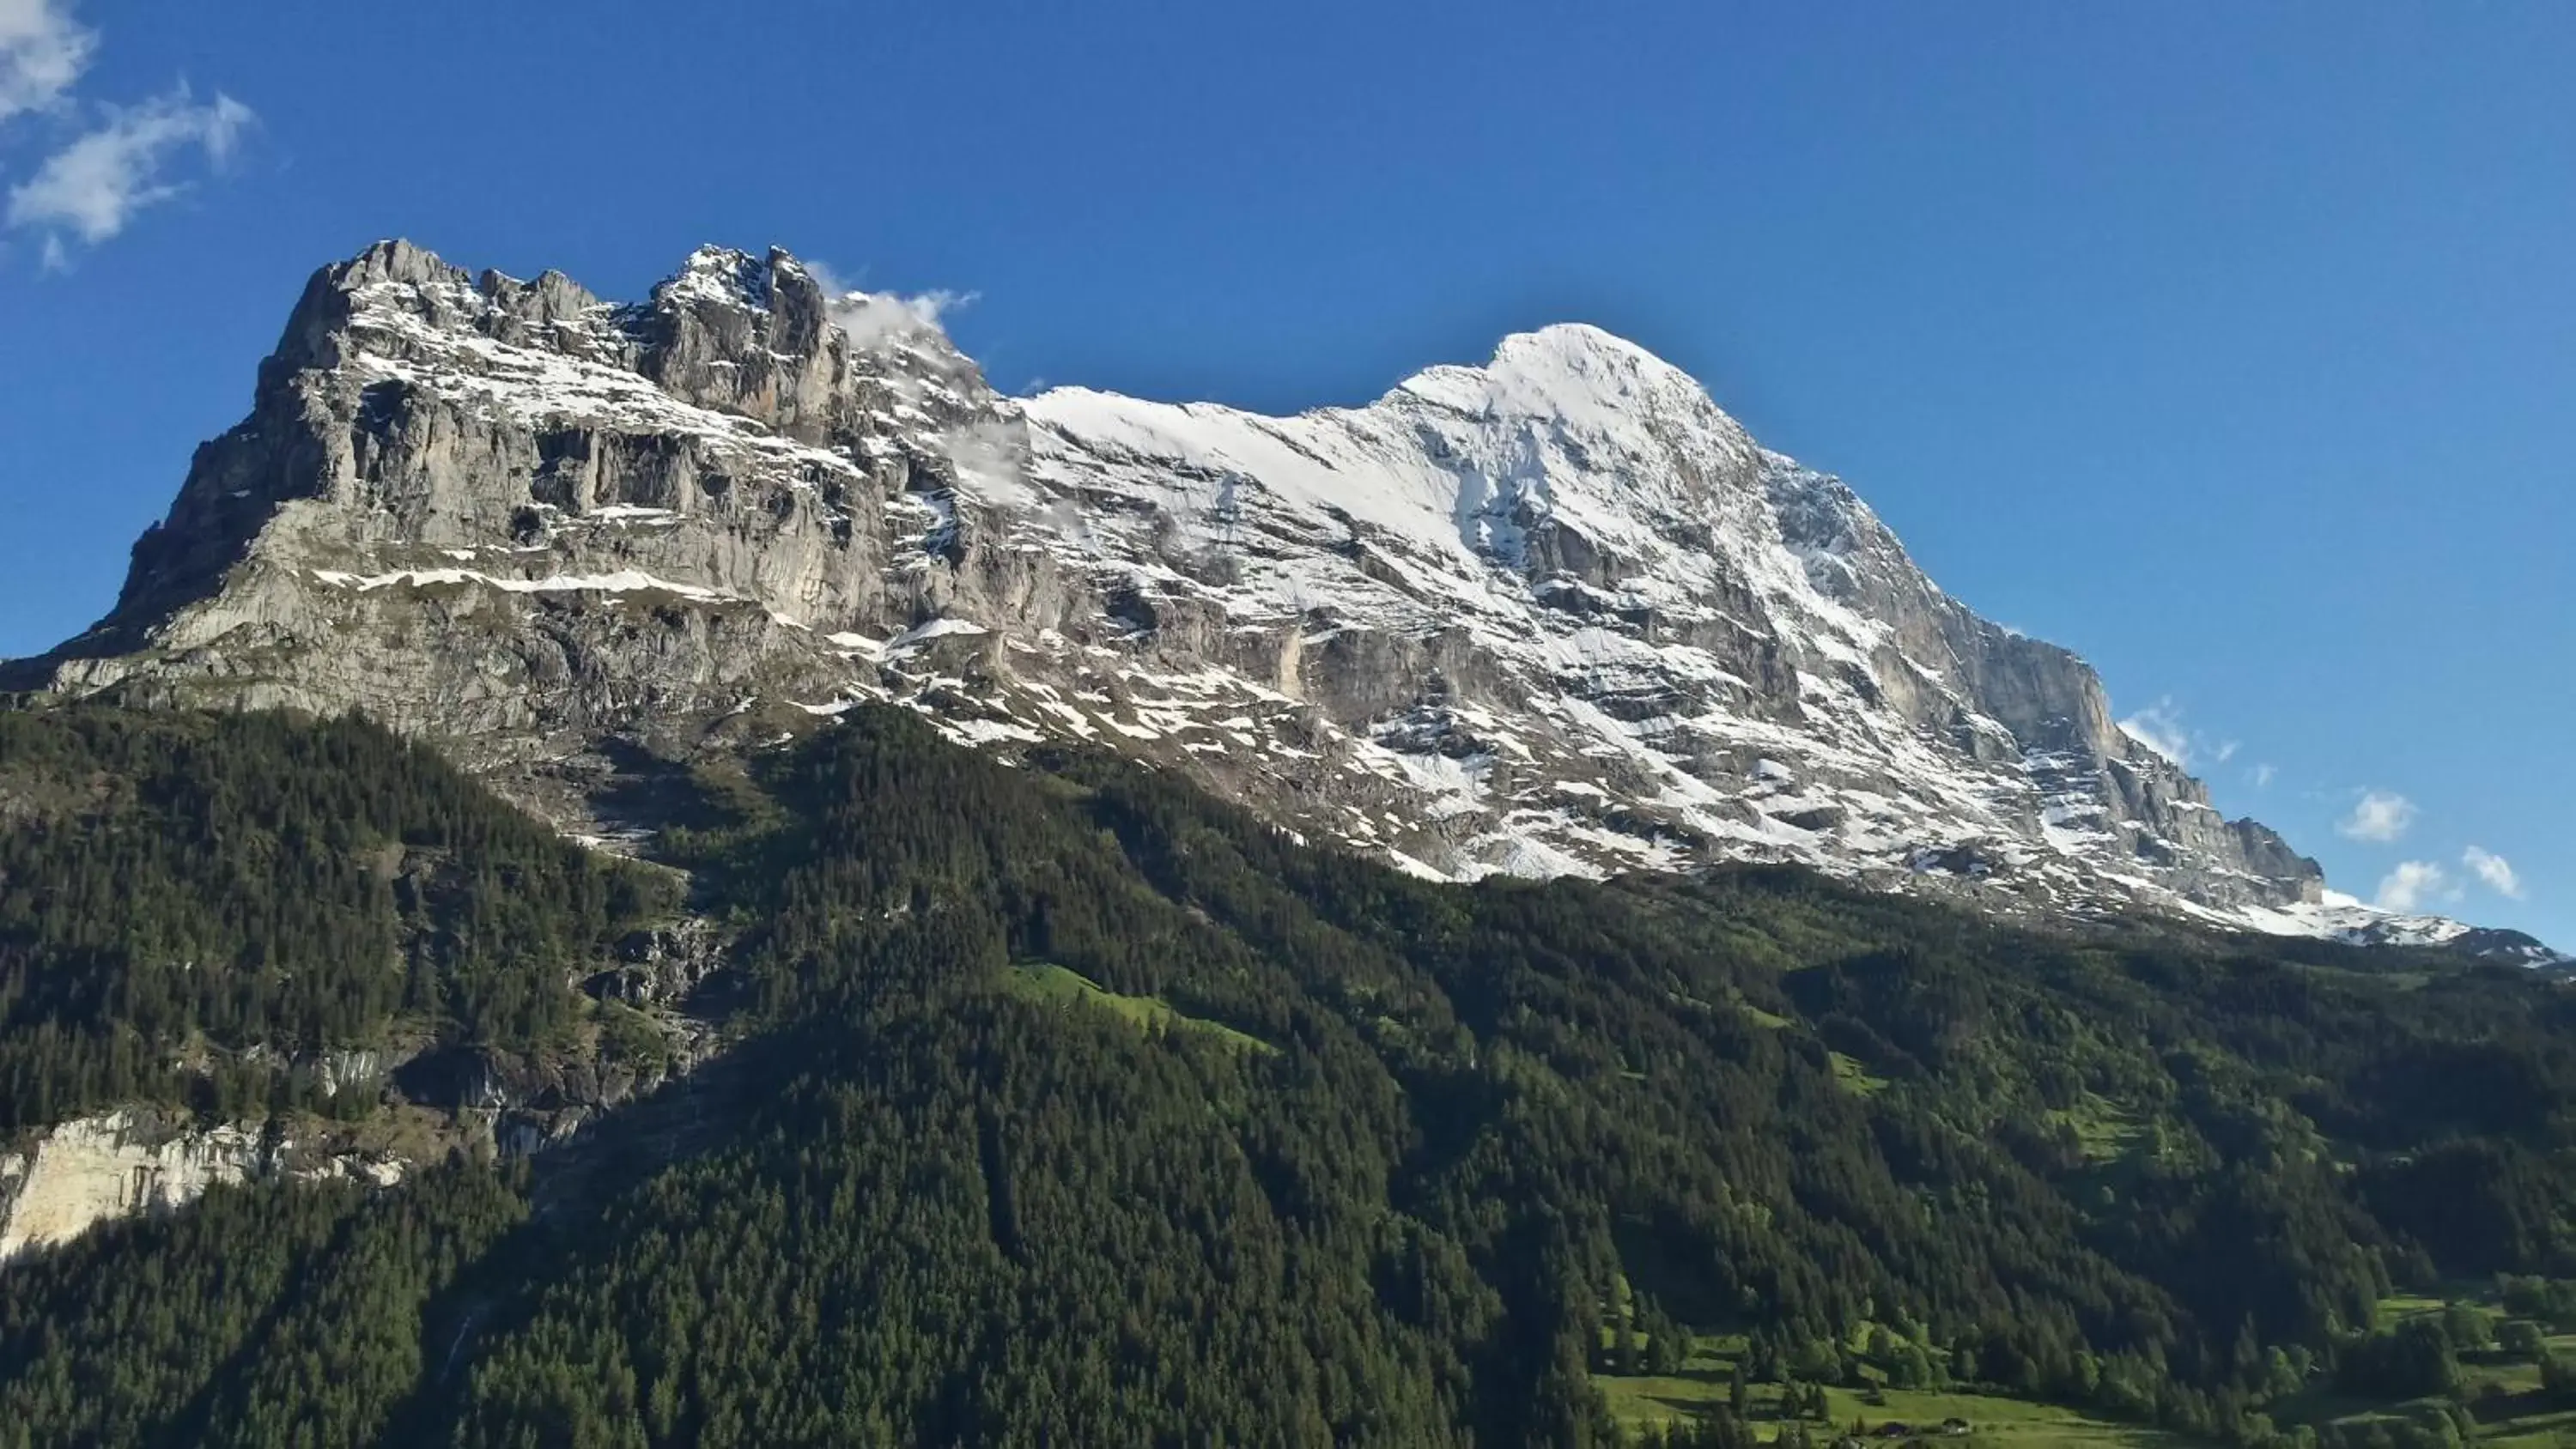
(1069, 1104)
(1555, 614)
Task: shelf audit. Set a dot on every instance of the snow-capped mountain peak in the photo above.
(1571, 374)
(1553, 613)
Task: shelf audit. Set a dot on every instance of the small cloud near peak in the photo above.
(2380, 816)
(2495, 870)
(2412, 885)
(871, 318)
(2159, 727)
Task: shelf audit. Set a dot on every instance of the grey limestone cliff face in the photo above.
(426, 427)
(1554, 613)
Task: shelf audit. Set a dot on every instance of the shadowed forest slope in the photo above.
(1069, 1105)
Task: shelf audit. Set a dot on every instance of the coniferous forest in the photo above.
(1068, 1105)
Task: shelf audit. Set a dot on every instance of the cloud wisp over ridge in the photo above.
(2160, 728)
(2493, 869)
(2412, 886)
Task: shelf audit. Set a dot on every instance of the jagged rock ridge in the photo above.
(1558, 613)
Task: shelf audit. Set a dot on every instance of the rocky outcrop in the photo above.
(422, 1107)
(92, 1169)
(1554, 613)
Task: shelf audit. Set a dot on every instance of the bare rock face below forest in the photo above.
(90, 1169)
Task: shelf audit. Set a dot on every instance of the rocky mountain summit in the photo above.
(1553, 614)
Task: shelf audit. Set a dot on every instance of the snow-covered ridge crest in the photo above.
(1555, 612)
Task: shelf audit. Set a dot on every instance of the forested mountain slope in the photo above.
(200, 902)
(1066, 1104)
(321, 944)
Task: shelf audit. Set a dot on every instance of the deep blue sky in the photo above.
(2233, 346)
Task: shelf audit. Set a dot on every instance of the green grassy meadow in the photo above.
(1045, 982)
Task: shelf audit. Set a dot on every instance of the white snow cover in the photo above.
(626, 581)
(1444, 477)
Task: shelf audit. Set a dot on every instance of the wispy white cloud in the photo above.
(120, 159)
(873, 318)
(2159, 727)
(91, 188)
(2262, 775)
(43, 51)
(991, 454)
(2380, 816)
(2495, 870)
(2411, 885)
